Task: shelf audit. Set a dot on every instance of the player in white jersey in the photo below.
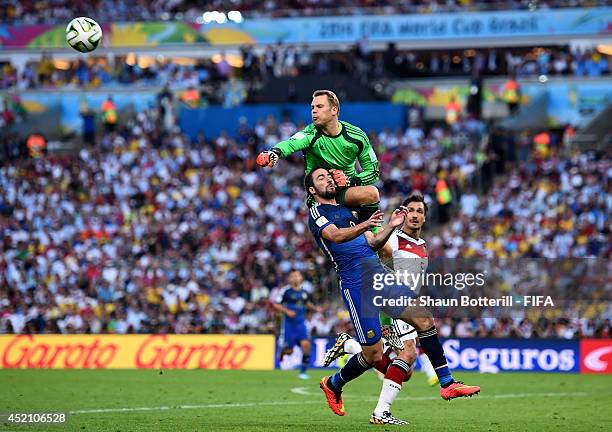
(409, 253)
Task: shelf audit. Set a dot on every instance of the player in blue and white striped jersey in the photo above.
(352, 248)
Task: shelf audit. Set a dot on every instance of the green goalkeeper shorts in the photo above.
(385, 319)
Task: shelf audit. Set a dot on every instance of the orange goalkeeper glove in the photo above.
(268, 158)
(341, 179)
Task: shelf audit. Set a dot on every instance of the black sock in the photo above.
(353, 368)
(433, 348)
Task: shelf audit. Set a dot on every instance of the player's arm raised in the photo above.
(379, 240)
(297, 142)
(340, 235)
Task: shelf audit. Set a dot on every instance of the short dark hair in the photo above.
(416, 197)
(308, 180)
(331, 97)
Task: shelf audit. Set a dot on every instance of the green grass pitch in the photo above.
(204, 400)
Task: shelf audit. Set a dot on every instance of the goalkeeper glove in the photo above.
(344, 181)
(268, 158)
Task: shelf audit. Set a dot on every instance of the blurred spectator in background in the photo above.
(89, 124)
(511, 94)
(109, 114)
(36, 145)
(452, 111)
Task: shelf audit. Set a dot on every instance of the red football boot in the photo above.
(334, 400)
(458, 389)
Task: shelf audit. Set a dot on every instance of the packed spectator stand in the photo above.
(253, 68)
(147, 231)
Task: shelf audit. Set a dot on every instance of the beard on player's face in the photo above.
(327, 192)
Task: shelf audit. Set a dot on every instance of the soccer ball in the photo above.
(83, 34)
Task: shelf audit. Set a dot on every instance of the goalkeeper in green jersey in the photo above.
(334, 145)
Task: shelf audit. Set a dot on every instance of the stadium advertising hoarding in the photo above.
(482, 355)
(439, 26)
(344, 29)
(504, 355)
(572, 101)
(70, 104)
(256, 352)
(568, 102)
(137, 351)
(596, 356)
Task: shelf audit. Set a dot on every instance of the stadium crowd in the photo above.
(555, 208)
(255, 68)
(58, 11)
(149, 231)
(49, 73)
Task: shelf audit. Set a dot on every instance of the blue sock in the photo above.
(433, 348)
(305, 362)
(353, 368)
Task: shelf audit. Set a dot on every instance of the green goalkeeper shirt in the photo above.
(338, 152)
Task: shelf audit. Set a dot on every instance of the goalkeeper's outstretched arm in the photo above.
(297, 142)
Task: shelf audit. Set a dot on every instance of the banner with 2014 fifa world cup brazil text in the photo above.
(137, 351)
(578, 22)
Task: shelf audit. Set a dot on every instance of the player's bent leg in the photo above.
(409, 354)
(285, 351)
(423, 322)
(358, 364)
(357, 196)
(372, 353)
(364, 200)
(340, 347)
(367, 330)
(368, 334)
(397, 373)
(427, 368)
(389, 332)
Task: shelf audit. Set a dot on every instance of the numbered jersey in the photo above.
(409, 255)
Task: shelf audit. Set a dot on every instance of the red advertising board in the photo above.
(596, 356)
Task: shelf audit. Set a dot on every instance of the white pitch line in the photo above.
(164, 408)
(303, 391)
